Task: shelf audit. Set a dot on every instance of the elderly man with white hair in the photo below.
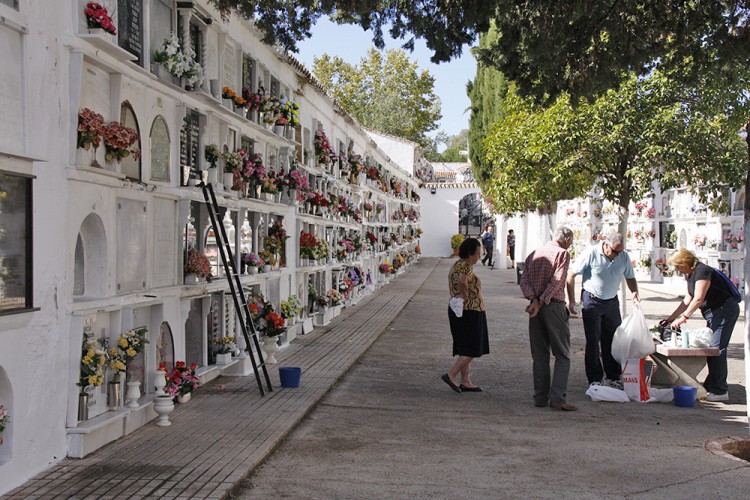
(602, 268)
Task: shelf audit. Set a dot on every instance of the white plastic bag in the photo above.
(606, 393)
(701, 337)
(632, 338)
(457, 306)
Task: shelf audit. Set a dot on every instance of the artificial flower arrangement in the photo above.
(371, 239)
(268, 184)
(290, 307)
(307, 245)
(93, 359)
(181, 380)
(288, 112)
(252, 259)
(274, 324)
(663, 268)
(232, 162)
(336, 297)
(379, 207)
(323, 300)
(323, 151)
(212, 154)
(277, 231)
(253, 169)
(131, 343)
(224, 345)
(197, 263)
(321, 249)
(645, 262)
(228, 93)
(181, 63)
(98, 17)
(90, 128)
(700, 239)
(117, 141)
(252, 99)
(385, 268)
(734, 238)
(257, 306)
(268, 254)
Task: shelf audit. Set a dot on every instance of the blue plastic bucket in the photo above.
(684, 396)
(290, 376)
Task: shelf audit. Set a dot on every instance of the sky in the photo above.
(352, 42)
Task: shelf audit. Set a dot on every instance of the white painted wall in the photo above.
(440, 219)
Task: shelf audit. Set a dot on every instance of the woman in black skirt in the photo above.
(470, 339)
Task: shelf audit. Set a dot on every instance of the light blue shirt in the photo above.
(601, 276)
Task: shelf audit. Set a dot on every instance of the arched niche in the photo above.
(131, 164)
(165, 346)
(90, 266)
(6, 401)
(160, 149)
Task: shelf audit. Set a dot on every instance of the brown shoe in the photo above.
(562, 406)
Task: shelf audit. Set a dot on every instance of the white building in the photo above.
(97, 247)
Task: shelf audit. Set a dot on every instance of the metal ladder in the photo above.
(235, 285)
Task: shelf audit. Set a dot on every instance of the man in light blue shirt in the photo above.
(602, 268)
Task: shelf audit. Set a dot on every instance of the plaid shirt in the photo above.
(545, 272)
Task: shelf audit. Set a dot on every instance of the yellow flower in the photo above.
(131, 352)
(119, 366)
(113, 352)
(86, 360)
(102, 360)
(122, 342)
(92, 380)
(90, 353)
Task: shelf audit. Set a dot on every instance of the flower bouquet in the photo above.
(131, 343)
(98, 17)
(224, 345)
(212, 154)
(307, 244)
(274, 324)
(117, 140)
(253, 260)
(181, 380)
(385, 268)
(228, 93)
(90, 129)
(700, 239)
(197, 263)
(323, 151)
(335, 296)
(93, 359)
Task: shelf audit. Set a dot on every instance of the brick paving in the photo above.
(220, 436)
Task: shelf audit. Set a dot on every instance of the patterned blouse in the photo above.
(475, 302)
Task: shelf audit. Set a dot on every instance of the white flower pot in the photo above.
(184, 398)
(270, 347)
(134, 394)
(228, 181)
(163, 406)
(252, 269)
(224, 359)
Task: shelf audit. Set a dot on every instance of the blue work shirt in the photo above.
(601, 276)
(488, 239)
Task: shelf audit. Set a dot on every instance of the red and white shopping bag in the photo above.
(636, 378)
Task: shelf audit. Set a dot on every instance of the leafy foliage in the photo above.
(385, 92)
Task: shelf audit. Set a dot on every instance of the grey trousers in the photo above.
(549, 331)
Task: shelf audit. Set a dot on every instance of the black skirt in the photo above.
(469, 333)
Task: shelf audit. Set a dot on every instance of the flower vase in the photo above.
(114, 395)
(213, 176)
(740, 246)
(133, 394)
(163, 406)
(191, 279)
(278, 130)
(266, 268)
(292, 196)
(252, 269)
(277, 197)
(270, 347)
(83, 407)
(184, 398)
(160, 381)
(228, 181)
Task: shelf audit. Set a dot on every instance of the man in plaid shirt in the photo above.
(543, 283)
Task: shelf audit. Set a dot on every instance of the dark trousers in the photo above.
(721, 320)
(549, 332)
(600, 320)
(489, 249)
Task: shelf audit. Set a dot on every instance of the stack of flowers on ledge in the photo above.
(288, 113)
(117, 141)
(307, 244)
(181, 380)
(385, 268)
(198, 264)
(131, 343)
(252, 260)
(97, 17)
(335, 297)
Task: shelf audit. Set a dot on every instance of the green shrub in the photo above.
(456, 241)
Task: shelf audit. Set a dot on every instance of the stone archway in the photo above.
(440, 204)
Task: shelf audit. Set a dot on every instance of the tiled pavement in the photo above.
(222, 435)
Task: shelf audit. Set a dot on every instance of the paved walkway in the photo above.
(223, 434)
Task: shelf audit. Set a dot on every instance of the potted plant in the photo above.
(181, 381)
(212, 155)
(456, 241)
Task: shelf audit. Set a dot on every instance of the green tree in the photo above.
(385, 92)
(650, 130)
(455, 150)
